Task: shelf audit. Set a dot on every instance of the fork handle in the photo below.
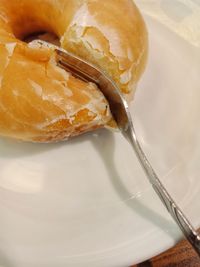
(119, 108)
(176, 213)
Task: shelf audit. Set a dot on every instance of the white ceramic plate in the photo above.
(86, 202)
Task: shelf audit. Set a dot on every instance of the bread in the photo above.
(41, 102)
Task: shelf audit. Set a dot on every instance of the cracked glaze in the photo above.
(41, 102)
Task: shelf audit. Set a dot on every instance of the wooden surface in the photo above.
(180, 256)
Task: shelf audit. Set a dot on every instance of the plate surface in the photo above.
(86, 202)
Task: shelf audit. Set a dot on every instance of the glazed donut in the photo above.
(41, 102)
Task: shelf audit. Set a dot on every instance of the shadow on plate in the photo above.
(104, 143)
(106, 149)
(10, 148)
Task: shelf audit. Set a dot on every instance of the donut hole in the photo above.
(32, 27)
(42, 35)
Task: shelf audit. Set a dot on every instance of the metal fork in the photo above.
(120, 111)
